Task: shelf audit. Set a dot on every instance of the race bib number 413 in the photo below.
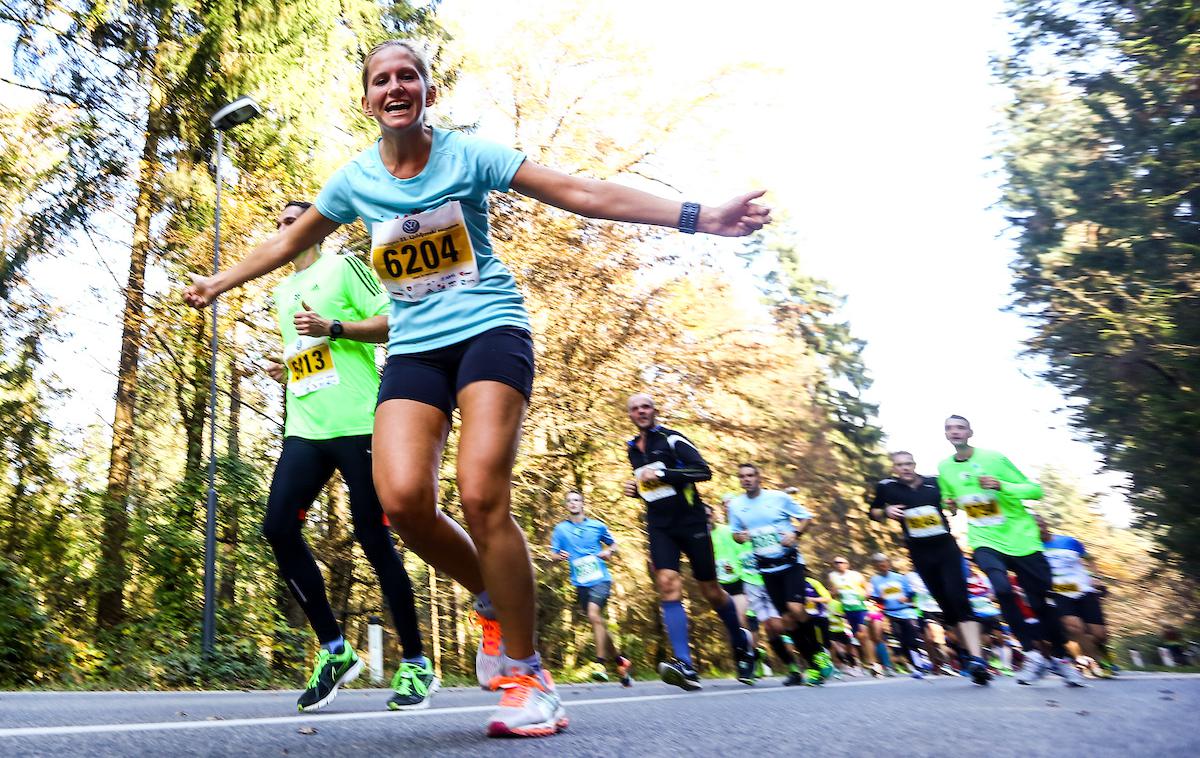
(310, 365)
(425, 253)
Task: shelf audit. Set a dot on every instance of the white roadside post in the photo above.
(375, 648)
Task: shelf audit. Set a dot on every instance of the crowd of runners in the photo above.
(458, 336)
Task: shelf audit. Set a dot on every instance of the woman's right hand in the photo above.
(202, 291)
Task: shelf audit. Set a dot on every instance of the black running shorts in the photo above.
(668, 543)
(1085, 607)
(786, 586)
(435, 377)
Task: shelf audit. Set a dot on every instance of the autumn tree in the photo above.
(1101, 162)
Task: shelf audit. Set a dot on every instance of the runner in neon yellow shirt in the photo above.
(1004, 537)
(850, 588)
(728, 553)
(330, 310)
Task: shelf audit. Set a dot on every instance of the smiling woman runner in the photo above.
(458, 334)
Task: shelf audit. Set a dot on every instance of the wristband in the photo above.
(689, 214)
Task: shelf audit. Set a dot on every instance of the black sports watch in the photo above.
(335, 329)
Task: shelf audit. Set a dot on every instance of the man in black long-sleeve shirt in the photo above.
(666, 468)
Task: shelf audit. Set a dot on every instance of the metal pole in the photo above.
(208, 634)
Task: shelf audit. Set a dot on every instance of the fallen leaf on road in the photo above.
(1083, 713)
(307, 730)
(1166, 697)
(180, 713)
(1167, 692)
(214, 718)
(1052, 703)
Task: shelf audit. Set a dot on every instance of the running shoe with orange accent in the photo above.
(623, 667)
(489, 657)
(529, 706)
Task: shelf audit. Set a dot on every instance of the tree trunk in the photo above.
(229, 534)
(112, 572)
(23, 441)
(435, 621)
(193, 408)
(235, 405)
(459, 621)
(337, 550)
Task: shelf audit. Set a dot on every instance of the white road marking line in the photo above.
(317, 719)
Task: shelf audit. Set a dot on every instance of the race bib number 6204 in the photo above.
(425, 253)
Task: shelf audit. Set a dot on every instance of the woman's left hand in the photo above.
(736, 218)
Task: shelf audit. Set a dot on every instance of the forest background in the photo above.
(101, 523)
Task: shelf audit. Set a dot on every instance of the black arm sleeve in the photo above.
(877, 503)
(692, 467)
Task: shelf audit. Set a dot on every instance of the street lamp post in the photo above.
(237, 112)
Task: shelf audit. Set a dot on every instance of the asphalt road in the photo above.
(1138, 714)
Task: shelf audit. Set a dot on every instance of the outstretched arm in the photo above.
(607, 200)
(308, 230)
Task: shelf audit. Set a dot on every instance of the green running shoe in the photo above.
(812, 678)
(331, 672)
(824, 664)
(414, 685)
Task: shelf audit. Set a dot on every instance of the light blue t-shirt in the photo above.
(460, 168)
(582, 542)
(894, 589)
(767, 518)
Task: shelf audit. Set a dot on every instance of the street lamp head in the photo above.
(238, 112)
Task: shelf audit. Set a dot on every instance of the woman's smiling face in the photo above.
(396, 93)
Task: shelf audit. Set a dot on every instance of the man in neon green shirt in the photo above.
(728, 553)
(331, 310)
(1004, 536)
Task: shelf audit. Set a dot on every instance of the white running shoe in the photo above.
(1065, 668)
(489, 656)
(1033, 668)
(529, 706)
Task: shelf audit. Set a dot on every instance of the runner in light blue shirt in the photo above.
(767, 519)
(895, 595)
(586, 544)
(772, 523)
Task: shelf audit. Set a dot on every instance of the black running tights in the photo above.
(304, 468)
